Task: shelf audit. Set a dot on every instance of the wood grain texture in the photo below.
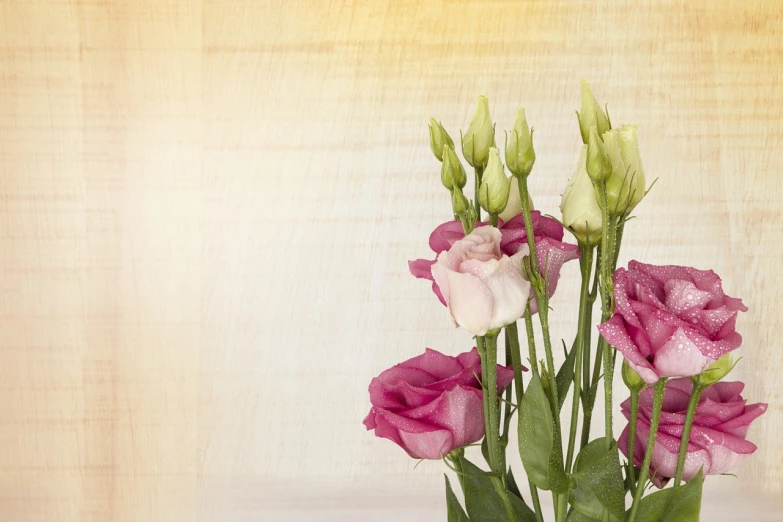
(207, 209)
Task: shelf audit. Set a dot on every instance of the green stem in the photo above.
(479, 173)
(489, 376)
(487, 347)
(507, 403)
(539, 284)
(531, 340)
(632, 438)
(512, 338)
(493, 220)
(686, 432)
(540, 288)
(660, 387)
(586, 262)
(607, 250)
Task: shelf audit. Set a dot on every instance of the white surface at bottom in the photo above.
(361, 505)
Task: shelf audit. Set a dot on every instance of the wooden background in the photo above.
(207, 209)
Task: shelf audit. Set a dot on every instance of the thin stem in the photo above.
(686, 432)
(531, 340)
(536, 502)
(493, 220)
(479, 173)
(540, 288)
(512, 339)
(487, 347)
(607, 256)
(660, 387)
(507, 403)
(489, 376)
(538, 282)
(632, 438)
(587, 262)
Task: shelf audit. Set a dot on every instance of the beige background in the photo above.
(207, 209)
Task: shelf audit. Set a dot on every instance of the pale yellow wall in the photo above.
(207, 209)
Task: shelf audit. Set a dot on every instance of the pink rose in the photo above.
(431, 404)
(551, 252)
(717, 443)
(483, 287)
(671, 321)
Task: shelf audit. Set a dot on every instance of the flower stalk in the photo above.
(693, 403)
(660, 387)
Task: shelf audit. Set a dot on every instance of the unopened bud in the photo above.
(438, 138)
(459, 203)
(599, 168)
(495, 186)
(520, 155)
(715, 372)
(591, 115)
(625, 187)
(581, 212)
(632, 379)
(452, 173)
(480, 135)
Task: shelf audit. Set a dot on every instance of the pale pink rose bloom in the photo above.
(671, 321)
(717, 443)
(431, 404)
(551, 252)
(483, 288)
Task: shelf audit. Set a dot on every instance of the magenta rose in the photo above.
(431, 404)
(671, 321)
(717, 443)
(551, 251)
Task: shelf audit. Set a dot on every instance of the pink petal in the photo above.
(420, 439)
(470, 301)
(616, 335)
(445, 235)
(459, 410)
(422, 269)
(680, 357)
(509, 293)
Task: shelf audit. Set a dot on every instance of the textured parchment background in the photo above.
(207, 208)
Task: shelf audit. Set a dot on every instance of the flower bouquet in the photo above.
(497, 262)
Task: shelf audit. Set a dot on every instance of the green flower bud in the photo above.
(495, 186)
(480, 135)
(459, 202)
(625, 186)
(452, 173)
(599, 168)
(520, 155)
(715, 372)
(581, 213)
(631, 378)
(591, 115)
(438, 138)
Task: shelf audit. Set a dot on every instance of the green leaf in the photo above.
(485, 450)
(599, 481)
(521, 509)
(578, 516)
(565, 376)
(453, 508)
(512, 484)
(483, 501)
(682, 503)
(539, 449)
